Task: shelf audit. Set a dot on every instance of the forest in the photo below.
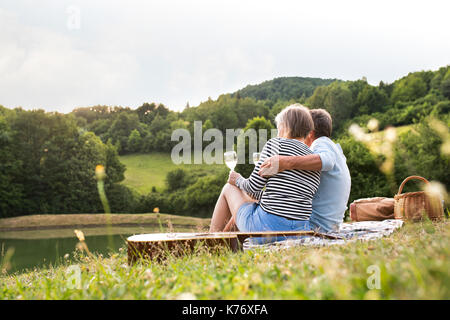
(48, 159)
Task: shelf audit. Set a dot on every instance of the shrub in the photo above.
(176, 179)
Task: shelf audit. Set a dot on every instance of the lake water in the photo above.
(39, 248)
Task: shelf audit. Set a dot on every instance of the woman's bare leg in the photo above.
(230, 200)
(221, 214)
(231, 225)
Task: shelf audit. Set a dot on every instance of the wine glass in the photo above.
(256, 156)
(230, 158)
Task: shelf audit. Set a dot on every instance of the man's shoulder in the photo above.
(323, 142)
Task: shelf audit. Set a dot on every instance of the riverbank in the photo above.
(61, 221)
(412, 263)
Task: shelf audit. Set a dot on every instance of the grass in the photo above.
(145, 171)
(413, 264)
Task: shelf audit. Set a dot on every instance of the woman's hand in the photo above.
(233, 177)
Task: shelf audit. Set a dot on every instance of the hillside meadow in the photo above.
(145, 171)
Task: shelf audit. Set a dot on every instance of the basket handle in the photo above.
(410, 178)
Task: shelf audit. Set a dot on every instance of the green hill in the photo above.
(283, 88)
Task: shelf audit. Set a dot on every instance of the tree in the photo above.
(11, 192)
(179, 124)
(317, 100)
(207, 125)
(418, 152)
(367, 179)
(115, 170)
(69, 177)
(339, 103)
(370, 99)
(134, 141)
(176, 179)
(146, 112)
(336, 99)
(35, 135)
(445, 85)
(203, 194)
(121, 129)
(54, 164)
(284, 88)
(224, 118)
(256, 124)
(409, 88)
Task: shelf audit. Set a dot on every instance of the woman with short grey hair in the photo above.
(282, 202)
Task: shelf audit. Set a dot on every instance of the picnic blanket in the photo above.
(348, 232)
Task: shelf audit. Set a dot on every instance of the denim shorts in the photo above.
(252, 218)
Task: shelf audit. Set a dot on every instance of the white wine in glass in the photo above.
(256, 156)
(230, 158)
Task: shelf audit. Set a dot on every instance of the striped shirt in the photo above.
(289, 193)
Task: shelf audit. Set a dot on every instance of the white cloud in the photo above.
(178, 51)
(211, 74)
(41, 68)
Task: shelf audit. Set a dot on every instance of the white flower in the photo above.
(187, 296)
(356, 131)
(373, 124)
(79, 234)
(390, 134)
(436, 189)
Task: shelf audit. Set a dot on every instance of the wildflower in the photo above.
(82, 246)
(436, 190)
(187, 296)
(100, 172)
(445, 148)
(79, 234)
(442, 130)
(156, 210)
(359, 134)
(390, 134)
(148, 274)
(439, 127)
(373, 124)
(170, 226)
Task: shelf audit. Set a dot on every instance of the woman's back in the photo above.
(288, 193)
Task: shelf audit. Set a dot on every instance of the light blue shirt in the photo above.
(330, 201)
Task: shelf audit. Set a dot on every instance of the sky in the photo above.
(59, 55)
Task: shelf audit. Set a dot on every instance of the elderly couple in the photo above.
(301, 181)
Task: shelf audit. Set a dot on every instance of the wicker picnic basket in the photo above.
(412, 206)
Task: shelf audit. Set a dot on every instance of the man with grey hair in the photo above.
(330, 201)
